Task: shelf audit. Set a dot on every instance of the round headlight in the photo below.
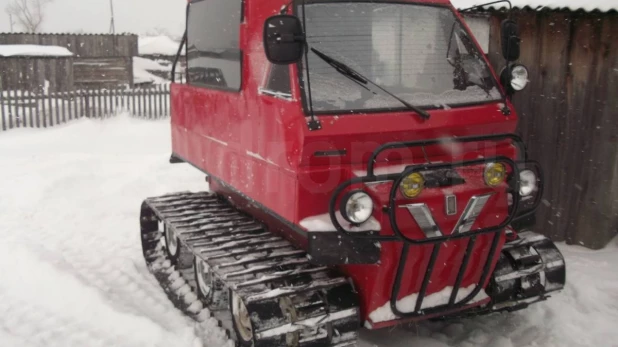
(356, 207)
(413, 185)
(527, 182)
(519, 77)
(495, 173)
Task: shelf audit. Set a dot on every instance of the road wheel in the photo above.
(242, 320)
(204, 280)
(172, 243)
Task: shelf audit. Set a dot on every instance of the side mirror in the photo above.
(284, 40)
(510, 40)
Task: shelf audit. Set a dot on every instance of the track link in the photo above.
(529, 269)
(290, 302)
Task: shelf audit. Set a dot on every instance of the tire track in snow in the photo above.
(50, 306)
(120, 284)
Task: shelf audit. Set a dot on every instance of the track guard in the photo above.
(529, 268)
(334, 248)
(174, 159)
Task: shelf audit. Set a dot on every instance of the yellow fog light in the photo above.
(495, 173)
(413, 185)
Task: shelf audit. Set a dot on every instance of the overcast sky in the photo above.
(93, 16)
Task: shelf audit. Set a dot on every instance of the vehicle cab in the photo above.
(375, 135)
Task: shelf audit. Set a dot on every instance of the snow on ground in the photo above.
(73, 274)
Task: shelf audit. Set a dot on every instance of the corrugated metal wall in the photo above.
(569, 118)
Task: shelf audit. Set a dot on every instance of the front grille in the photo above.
(471, 213)
(424, 219)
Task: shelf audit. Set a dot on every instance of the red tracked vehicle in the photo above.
(362, 167)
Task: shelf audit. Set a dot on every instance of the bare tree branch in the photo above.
(29, 13)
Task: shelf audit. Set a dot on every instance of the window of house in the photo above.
(278, 82)
(213, 51)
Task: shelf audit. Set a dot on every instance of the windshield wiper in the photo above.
(359, 78)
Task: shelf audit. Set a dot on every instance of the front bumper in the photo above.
(346, 247)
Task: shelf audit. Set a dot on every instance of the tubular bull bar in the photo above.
(374, 235)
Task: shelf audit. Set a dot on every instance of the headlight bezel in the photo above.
(530, 203)
(519, 77)
(354, 196)
(416, 178)
(532, 180)
(495, 167)
(515, 78)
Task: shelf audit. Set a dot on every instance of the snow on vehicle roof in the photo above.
(573, 5)
(158, 45)
(34, 51)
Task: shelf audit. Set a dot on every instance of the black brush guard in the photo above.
(373, 236)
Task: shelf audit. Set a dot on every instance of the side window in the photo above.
(213, 51)
(278, 82)
(481, 28)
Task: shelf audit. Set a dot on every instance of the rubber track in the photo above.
(262, 268)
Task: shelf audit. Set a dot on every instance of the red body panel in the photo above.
(261, 146)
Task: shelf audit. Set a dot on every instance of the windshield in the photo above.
(420, 53)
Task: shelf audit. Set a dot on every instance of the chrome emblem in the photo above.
(451, 205)
(423, 217)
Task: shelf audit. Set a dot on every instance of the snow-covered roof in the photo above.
(150, 65)
(34, 51)
(158, 45)
(573, 5)
(142, 69)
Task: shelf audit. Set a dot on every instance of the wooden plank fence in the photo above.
(22, 109)
(569, 118)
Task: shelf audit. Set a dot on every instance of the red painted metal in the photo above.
(261, 146)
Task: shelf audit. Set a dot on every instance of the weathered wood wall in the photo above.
(105, 72)
(82, 45)
(100, 61)
(34, 73)
(569, 118)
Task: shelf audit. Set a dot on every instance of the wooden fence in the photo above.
(19, 109)
(569, 118)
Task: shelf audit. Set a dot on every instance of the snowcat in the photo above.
(363, 172)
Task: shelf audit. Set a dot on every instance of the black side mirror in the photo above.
(284, 40)
(510, 40)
